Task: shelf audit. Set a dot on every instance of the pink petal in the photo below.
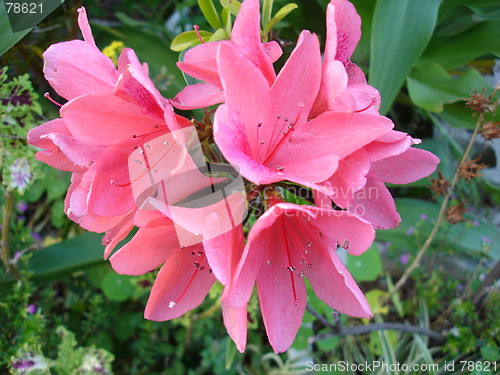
(117, 234)
(343, 30)
(235, 321)
(273, 50)
(295, 89)
(282, 294)
(410, 166)
(180, 285)
(348, 178)
(201, 95)
(111, 193)
(332, 96)
(334, 285)
(78, 68)
(375, 204)
(389, 144)
(201, 62)
(43, 136)
(224, 252)
(103, 119)
(246, 35)
(347, 230)
(83, 24)
(149, 248)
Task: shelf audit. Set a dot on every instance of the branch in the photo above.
(441, 214)
(5, 249)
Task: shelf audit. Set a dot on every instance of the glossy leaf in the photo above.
(65, 257)
(188, 39)
(400, 32)
(220, 34)
(282, 13)
(431, 86)
(365, 267)
(233, 5)
(456, 50)
(8, 38)
(208, 9)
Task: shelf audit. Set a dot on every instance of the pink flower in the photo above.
(111, 112)
(264, 130)
(343, 84)
(288, 243)
(201, 61)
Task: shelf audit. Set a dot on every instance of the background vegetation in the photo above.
(62, 305)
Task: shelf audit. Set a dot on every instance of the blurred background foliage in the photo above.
(70, 312)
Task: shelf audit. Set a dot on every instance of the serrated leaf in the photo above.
(400, 32)
(233, 5)
(282, 13)
(188, 39)
(208, 9)
(430, 87)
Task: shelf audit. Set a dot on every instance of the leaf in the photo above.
(282, 13)
(462, 237)
(365, 267)
(208, 9)
(219, 34)
(117, 287)
(431, 87)
(267, 8)
(188, 39)
(227, 21)
(65, 257)
(400, 32)
(456, 50)
(233, 5)
(8, 38)
(376, 298)
(490, 352)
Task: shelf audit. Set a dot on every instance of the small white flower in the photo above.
(20, 174)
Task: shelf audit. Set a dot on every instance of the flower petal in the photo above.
(409, 166)
(149, 248)
(180, 285)
(201, 95)
(375, 204)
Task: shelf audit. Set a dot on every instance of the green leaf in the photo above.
(233, 5)
(400, 31)
(65, 257)
(227, 20)
(490, 353)
(219, 34)
(365, 267)
(208, 9)
(282, 13)
(8, 38)
(456, 50)
(462, 237)
(431, 87)
(188, 39)
(117, 287)
(267, 8)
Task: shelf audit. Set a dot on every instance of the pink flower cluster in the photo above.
(136, 163)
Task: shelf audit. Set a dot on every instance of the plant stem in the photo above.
(442, 211)
(7, 218)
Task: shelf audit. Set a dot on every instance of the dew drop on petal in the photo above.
(112, 182)
(261, 142)
(269, 262)
(309, 265)
(309, 244)
(201, 268)
(147, 145)
(141, 151)
(296, 302)
(259, 124)
(301, 274)
(301, 105)
(171, 304)
(166, 143)
(199, 253)
(302, 261)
